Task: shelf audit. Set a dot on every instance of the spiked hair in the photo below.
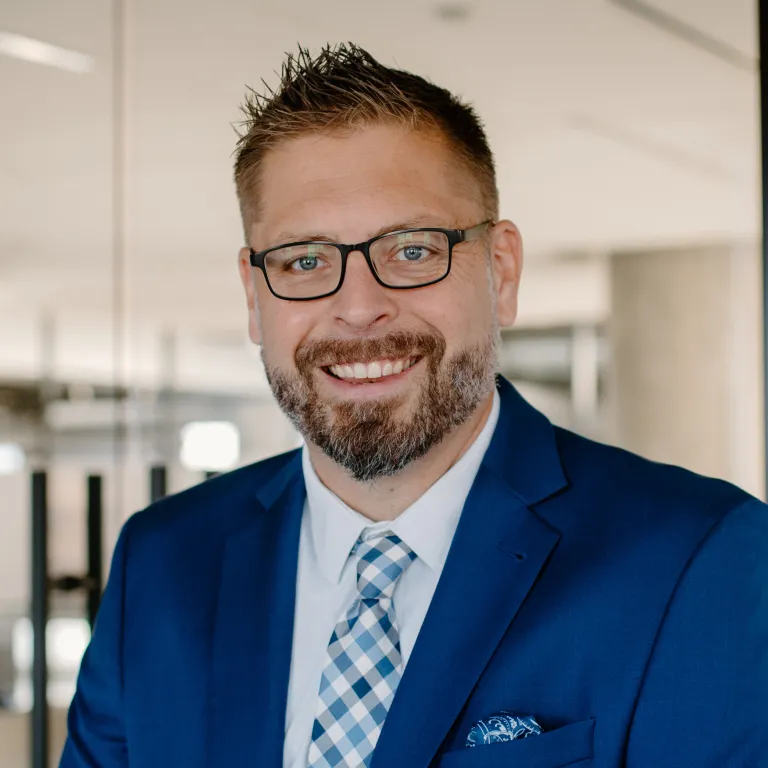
(344, 87)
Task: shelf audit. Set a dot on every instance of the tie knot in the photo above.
(382, 560)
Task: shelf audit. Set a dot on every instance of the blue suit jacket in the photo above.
(622, 603)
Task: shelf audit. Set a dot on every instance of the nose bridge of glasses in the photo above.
(363, 250)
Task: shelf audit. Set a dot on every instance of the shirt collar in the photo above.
(427, 526)
(334, 526)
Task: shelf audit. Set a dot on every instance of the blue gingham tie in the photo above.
(363, 664)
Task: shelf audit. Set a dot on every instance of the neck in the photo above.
(386, 498)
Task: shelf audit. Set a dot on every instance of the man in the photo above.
(440, 576)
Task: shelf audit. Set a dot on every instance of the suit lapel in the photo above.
(499, 548)
(253, 632)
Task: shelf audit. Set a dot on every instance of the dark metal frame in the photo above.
(455, 236)
(43, 585)
(158, 482)
(93, 580)
(40, 597)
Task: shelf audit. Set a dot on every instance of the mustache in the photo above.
(325, 352)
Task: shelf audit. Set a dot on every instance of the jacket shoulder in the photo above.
(611, 473)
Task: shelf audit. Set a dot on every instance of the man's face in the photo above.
(424, 358)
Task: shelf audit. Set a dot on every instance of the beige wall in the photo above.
(685, 378)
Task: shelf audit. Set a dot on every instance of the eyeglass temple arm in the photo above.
(478, 231)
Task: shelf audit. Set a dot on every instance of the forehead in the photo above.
(350, 183)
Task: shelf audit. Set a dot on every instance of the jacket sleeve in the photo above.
(96, 724)
(704, 700)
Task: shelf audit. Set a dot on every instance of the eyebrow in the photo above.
(294, 237)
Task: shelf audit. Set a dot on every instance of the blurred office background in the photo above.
(627, 141)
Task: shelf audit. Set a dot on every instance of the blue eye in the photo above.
(305, 264)
(413, 252)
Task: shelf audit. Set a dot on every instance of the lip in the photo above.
(370, 389)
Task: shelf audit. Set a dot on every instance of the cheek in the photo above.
(277, 324)
(284, 326)
(471, 303)
(280, 338)
(463, 315)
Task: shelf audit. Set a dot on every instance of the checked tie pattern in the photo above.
(364, 664)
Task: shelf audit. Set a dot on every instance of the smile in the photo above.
(377, 369)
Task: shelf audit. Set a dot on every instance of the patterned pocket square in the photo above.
(503, 726)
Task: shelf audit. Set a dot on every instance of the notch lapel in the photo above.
(253, 633)
(499, 548)
(497, 553)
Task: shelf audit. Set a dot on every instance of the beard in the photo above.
(371, 439)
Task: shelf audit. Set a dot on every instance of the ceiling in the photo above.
(616, 124)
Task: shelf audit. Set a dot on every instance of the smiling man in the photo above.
(440, 577)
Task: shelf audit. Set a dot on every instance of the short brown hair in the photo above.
(342, 87)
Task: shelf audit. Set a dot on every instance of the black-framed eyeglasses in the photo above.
(408, 258)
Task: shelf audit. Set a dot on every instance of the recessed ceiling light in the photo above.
(38, 52)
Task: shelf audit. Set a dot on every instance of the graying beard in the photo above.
(365, 438)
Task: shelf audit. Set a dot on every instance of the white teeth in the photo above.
(375, 370)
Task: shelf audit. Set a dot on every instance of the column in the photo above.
(685, 373)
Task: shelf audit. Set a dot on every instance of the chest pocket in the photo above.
(562, 747)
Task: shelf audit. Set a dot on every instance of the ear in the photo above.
(248, 279)
(506, 267)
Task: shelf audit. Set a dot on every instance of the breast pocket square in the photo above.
(501, 727)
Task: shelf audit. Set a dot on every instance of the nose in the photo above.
(361, 303)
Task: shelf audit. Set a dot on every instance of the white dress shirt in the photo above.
(327, 578)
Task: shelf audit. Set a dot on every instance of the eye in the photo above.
(412, 253)
(305, 264)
